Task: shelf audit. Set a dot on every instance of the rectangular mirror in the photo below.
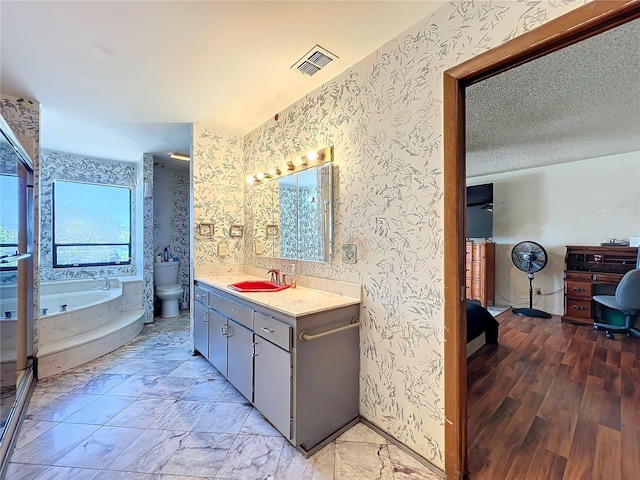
(292, 215)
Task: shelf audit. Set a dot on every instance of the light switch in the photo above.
(222, 249)
(259, 248)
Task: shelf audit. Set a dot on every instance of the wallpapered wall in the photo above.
(383, 117)
(147, 228)
(65, 166)
(218, 198)
(288, 225)
(23, 116)
(170, 217)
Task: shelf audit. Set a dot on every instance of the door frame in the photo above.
(575, 26)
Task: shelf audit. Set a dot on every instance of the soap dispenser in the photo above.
(166, 254)
(293, 275)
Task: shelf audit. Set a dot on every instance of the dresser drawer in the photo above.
(578, 308)
(578, 289)
(241, 314)
(613, 278)
(273, 330)
(578, 276)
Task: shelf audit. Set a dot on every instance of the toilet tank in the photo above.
(165, 273)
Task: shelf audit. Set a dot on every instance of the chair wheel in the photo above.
(609, 335)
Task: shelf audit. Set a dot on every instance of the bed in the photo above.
(479, 322)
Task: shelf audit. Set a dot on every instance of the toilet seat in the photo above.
(169, 288)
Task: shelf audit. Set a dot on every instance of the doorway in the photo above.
(582, 23)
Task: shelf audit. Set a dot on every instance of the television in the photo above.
(480, 211)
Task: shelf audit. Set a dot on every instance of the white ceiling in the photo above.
(577, 103)
(116, 79)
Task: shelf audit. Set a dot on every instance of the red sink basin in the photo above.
(257, 286)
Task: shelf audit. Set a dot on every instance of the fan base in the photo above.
(531, 312)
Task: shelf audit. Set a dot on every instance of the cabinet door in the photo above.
(201, 329)
(239, 358)
(272, 390)
(218, 341)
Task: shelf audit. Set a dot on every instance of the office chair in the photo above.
(627, 301)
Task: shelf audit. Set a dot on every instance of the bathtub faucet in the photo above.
(107, 282)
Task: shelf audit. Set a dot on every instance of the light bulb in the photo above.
(274, 171)
(312, 155)
(299, 161)
(251, 179)
(260, 176)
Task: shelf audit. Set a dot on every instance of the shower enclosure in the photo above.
(16, 286)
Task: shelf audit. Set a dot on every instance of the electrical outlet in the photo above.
(537, 290)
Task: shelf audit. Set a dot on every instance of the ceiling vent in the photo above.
(314, 60)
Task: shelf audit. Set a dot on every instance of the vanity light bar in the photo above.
(299, 163)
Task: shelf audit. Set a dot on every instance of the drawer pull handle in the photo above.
(268, 330)
(201, 295)
(204, 317)
(580, 290)
(253, 349)
(577, 307)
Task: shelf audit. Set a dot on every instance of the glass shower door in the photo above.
(16, 284)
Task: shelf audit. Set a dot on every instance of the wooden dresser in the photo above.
(480, 272)
(590, 271)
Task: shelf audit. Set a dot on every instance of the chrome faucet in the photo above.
(275, 275)
(107, 281)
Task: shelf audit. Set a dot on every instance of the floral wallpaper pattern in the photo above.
(23, 116)
(288, 227)
(147, 237)
(383, 117)
(171, 219)
(309, 221)
(55, 165)
(217, 171)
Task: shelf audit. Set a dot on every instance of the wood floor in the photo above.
(554, 401)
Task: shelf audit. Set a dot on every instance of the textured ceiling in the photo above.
(577, 103)
(120, 78)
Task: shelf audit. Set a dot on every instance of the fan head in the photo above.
(528, 256)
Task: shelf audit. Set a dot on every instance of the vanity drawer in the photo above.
(273, 330)
(578, 289)
(202, 295)
(241, 314)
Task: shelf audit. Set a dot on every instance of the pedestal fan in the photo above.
(530, 257)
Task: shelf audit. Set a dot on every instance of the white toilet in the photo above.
(168, 290)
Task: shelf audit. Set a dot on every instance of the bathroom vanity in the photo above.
(294, 354)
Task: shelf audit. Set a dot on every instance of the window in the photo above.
(91, 224)
(8, 219)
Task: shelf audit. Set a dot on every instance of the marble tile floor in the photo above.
(152, 411)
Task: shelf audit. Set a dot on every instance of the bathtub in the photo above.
(79, 322)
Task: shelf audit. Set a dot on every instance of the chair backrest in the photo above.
(628, 290)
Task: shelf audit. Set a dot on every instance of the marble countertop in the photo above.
(296, 302)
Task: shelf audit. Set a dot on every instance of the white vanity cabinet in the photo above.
(273, 372)
(217, 340)
(225, 342)
(300, 371)
(201, 322)
(239, 358)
